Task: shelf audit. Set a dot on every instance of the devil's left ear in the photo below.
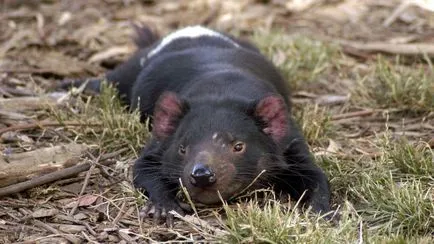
(273, 113)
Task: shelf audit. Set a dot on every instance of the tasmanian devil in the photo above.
(220, 122)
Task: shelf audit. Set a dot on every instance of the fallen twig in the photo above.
(21, 92)
(25, 70)
(64, 173)
(20, 104)
(393, 48)
(120, 214)
(13, 115)
(51, 229)
(42, 124)
(353, 114)
(22, 166)
(86, 181)
(75, 221)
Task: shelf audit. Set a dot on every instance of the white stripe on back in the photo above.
(189, 32)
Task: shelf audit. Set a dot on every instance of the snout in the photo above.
(202, 175)
(209, 177)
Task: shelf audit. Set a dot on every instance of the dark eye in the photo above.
(238, 147)
(181, 149)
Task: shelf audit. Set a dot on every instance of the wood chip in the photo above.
(71, 229)
(42, 213)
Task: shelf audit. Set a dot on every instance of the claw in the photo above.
(169, 220)
(159, 213)
(185, 207)
(145, 210)
(164, 213)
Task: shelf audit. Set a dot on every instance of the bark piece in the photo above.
(19, 167)
(22, 104)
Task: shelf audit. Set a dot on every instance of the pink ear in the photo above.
(168, 110)
(273, 112)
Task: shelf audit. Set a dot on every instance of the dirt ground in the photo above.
(45, 41)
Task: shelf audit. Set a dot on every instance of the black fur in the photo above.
(220, 85)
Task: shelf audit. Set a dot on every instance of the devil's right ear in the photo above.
(168, 111)
(273, 113)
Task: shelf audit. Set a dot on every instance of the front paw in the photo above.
(161, 211)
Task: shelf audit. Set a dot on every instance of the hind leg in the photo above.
(122, 77)
(125, 74)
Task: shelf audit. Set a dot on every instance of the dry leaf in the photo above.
(87, 200)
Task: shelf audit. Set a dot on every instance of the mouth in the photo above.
(214, 194)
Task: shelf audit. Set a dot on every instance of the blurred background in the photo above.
(98, 32)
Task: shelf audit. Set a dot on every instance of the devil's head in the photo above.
(218, 148)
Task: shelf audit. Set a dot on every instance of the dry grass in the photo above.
(302, 60)
(380, 164)
(117, 127)
(315, 123)
(393, 86)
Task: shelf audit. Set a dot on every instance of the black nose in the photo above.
(202, 175)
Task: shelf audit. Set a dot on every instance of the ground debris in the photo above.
(53, 189)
